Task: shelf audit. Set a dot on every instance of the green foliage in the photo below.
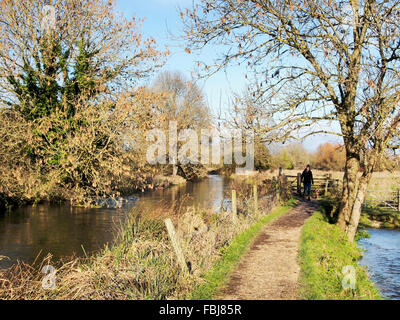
(36, 87)
(291, 156)
(324, 251)
(362, 234)
(262, 156)
(40, 94)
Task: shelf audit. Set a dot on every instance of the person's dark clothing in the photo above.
(307, 189)
(307, 177)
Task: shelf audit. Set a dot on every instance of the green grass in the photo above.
(218, 276)
(324, 251)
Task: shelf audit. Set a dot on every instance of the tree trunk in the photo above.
(349, 191)
(352, 226)
(353, 195)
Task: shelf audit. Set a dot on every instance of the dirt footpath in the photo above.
(270, 271)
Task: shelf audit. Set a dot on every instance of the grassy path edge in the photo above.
(324, 251)
(218, 276)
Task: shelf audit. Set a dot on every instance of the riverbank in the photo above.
(324, 252)
(380, 219)
(7, 203)
(158, 182)
(141, 263)
(374, 218)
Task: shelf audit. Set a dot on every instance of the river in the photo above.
(382, 256)
(63, 230)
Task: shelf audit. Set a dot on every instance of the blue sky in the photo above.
(162, 23)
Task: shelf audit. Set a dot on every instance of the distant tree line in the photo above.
(328, 157)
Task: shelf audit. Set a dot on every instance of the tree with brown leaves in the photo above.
(330, 157)
(73, 121)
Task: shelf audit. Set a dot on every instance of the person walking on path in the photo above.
(308, 180)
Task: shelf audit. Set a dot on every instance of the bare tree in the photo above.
(185, 103)
(315, 62)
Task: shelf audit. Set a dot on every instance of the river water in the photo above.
(382, 256)
(64, 230)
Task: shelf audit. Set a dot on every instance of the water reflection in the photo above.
(59, 230)
(208, 193)
(63, 230)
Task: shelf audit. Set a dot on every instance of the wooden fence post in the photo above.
(398, 200)
(278, 193)
(255, 193)
(299, 184)
(278, 187)
(176, 246)
(326, 185)
(234, 206)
